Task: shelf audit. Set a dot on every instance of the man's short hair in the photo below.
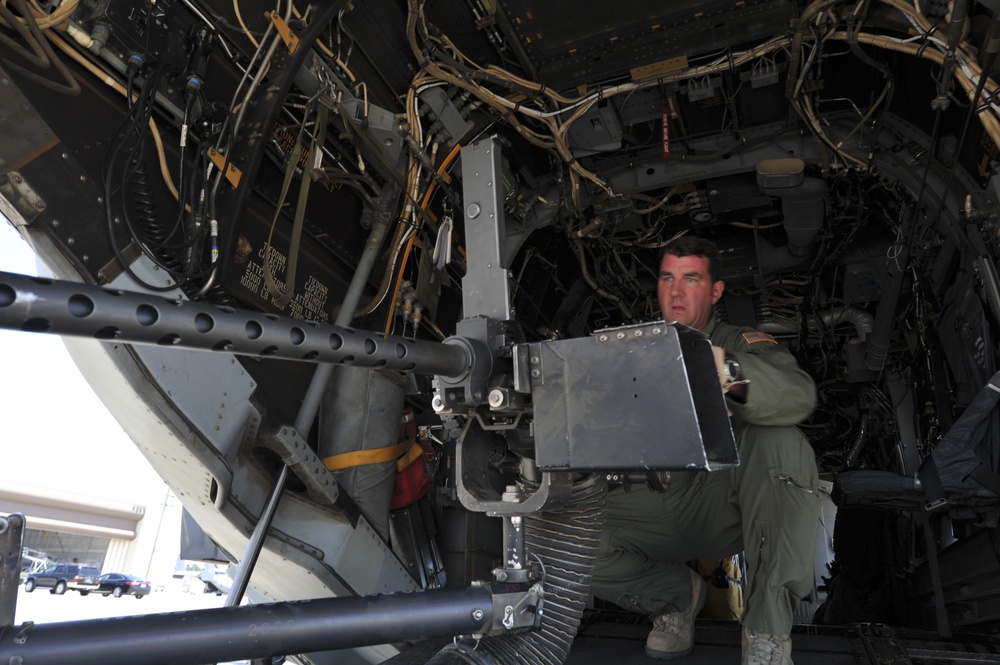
(695, 246)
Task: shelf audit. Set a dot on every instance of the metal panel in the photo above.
(486, 286)
(637, 397)
(597, 40)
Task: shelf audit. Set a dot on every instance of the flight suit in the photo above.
(767, 507)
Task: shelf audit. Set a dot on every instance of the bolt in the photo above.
(437, 403)
(473, 210)
(638, 333)
(511, 495)
(501, 576)
(656, 331)
(496, 398)
(603, 338)
(15, 660)
(476, 614)
(620, 335)
(535, 373)
(535, 360)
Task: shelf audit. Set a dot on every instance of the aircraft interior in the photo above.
(372, 286)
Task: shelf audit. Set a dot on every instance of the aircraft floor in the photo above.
(620, 640)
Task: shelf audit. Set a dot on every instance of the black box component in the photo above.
(636, 397)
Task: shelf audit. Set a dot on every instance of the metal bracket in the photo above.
(18, 201)
(290, 38)
(233, 174)
(516, 608)
(476, 493)
(304, 463)
(11, 542)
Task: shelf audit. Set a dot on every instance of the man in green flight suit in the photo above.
(767, 507)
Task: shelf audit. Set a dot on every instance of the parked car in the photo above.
(61, 576)
(120, 584)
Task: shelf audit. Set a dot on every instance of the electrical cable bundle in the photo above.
(173, 246)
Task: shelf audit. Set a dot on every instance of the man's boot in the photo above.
(766, 649)
(673, 633)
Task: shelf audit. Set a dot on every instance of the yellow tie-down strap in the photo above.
(404, 453)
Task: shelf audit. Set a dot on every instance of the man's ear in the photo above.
(717, 290)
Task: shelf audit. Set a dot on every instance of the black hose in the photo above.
(565, 541)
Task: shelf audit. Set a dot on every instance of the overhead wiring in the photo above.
(42, 54)
(442, 168)
(42, 19)
(442, 60)
(115, 85)
(128, 193)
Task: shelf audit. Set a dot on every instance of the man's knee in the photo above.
(780, 458)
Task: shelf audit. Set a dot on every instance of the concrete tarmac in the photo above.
(40, 606)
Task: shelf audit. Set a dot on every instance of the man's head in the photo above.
(688, 283)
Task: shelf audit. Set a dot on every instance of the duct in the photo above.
(803, 200)
(878, 345)
(348, 391)
(377, 396)
(803, 208)
(778, 326)
(773, 259)
(862, 320)
(564, 541)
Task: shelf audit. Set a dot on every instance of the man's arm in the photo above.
(777, 392)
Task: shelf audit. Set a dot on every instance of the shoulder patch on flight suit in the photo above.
(755, 337)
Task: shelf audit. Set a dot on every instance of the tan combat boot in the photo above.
(766, 649)
(673, 633)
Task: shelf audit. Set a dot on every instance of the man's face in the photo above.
(686, 290)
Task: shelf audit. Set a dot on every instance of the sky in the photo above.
(54, 431)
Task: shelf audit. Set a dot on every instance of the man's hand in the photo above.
(737, 390)
(720, 365)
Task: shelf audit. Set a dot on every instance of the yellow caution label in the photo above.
(657, 69)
